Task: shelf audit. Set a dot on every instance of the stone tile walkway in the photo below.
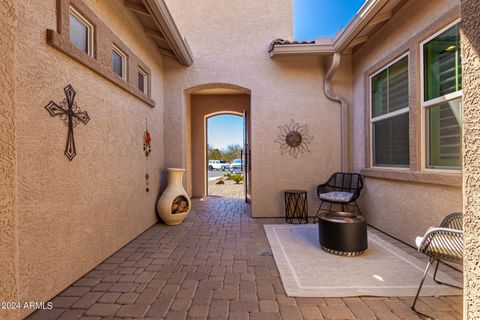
(212, 267)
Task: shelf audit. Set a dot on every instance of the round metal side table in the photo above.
(296, 206)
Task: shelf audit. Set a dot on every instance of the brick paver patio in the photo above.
(212, 267)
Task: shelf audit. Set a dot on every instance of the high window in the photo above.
(119, 63)
(442, 99)
(81, 32)
(389, 115)
(142, 80)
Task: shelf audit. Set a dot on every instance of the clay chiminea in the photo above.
(174, 204)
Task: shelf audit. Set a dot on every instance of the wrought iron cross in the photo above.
(71, 115)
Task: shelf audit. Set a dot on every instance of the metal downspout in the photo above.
(343, 110)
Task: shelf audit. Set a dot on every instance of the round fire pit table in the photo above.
(343, 233)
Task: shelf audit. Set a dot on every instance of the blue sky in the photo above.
(224, 130)
(312, 18)
(322, 18)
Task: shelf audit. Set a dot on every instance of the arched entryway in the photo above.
(225, 148)
(205, 101)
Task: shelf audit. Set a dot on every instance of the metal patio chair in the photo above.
(341, 189)
(442, 244)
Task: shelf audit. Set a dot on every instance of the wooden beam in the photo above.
(158, 37)
(136, 7)
(167, 52)
(357, 41)
(380, 18)
(154, 34)
(164, 21)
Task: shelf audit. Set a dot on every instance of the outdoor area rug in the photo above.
(383, 270)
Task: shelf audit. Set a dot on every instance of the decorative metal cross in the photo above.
(71, 115)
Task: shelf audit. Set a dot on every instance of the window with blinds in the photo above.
(442, 74)
(81, 32)
(389, 115)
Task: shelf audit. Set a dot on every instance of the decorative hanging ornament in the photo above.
(147, 149)
(147, 176)
(146, 142)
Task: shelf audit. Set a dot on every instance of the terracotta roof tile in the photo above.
(287, 42)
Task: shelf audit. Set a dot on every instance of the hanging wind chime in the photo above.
(147, 149)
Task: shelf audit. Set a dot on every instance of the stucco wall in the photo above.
(406, 210)
(470, 33)
(72, 215)
(8, 209)
(403, 209)
(202, 106)
(230, 46)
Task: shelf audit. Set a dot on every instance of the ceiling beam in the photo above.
(136, 7)
(165, 23)
(158, 37)
(167, 52)
(154, 34)
(379, 18)
(357, 41)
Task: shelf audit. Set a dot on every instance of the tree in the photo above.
(214, 154)
(232, 152)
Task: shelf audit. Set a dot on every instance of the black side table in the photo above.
(296, 206)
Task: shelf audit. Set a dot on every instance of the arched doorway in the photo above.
(202, 102)
(225, 148)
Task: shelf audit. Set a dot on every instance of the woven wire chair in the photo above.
(442, 244)
(341, 189)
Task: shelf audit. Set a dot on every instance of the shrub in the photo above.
(228, 175)
(237, 178)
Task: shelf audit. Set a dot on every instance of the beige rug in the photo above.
(384, 270)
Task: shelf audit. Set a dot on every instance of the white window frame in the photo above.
(388, 115)
(90, 29)
(426, 104)
(145, 80)
(124, 62)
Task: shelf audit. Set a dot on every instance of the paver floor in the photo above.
(212, 267)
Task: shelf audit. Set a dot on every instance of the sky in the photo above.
(322, 18)
(312, 18)
(224, 130)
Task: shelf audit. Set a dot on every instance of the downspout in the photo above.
(343, 110)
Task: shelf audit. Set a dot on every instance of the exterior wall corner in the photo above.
(470, 42)
(8, 163)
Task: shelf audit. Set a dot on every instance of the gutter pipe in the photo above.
(343, 110)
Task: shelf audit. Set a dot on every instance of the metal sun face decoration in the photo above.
(294, 138)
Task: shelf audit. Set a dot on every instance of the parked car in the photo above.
(225, 166)
(236, 166)
(217, 165)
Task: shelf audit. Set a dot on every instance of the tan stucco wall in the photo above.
(400, 208)
(406, 210)
(202, 106)
(8, 208)
(72, 215)
(470, 33)
(230, 46)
